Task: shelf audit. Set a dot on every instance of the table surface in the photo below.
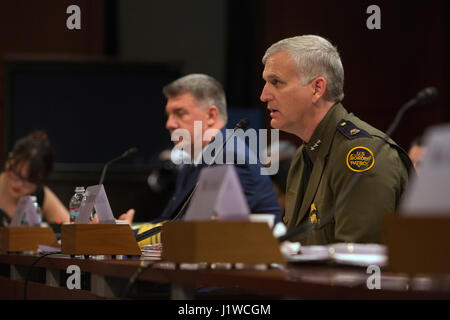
(300, 280)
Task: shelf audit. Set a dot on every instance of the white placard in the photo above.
(95, 197)
(219, 192)
(25, 208)
(428, 193)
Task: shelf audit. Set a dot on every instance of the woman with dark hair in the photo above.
(26, 170)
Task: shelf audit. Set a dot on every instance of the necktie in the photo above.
(307, 169)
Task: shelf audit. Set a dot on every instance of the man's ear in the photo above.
(212, 115)
(319, 86)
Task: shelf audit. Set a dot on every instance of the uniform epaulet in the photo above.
(351, 131)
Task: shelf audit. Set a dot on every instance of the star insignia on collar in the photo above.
(316, 145)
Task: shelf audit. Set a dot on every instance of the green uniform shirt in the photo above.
(341, 147)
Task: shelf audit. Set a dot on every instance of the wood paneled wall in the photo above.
(38, 28)
(383, 68)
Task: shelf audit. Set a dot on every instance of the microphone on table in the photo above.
(427, 95)
(424, 96)
(242, 124)
(123, 155)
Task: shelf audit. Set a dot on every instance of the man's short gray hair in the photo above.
(205, 89)
(314, 57)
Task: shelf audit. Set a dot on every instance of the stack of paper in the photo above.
(152, 252)
(360, 254)
(343, 253)
(48, 249)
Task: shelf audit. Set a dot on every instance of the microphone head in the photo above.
(129, 152)
(242, 124)
(427, 95)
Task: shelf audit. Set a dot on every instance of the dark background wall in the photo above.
(192, 33)
(383, 68)
(38, 28)
(227, 38)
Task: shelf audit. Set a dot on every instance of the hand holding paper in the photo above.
(128, 216)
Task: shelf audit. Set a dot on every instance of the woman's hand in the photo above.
(128, 216)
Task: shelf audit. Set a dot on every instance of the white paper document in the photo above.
(355, 254)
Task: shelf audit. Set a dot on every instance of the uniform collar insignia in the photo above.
(316, 145)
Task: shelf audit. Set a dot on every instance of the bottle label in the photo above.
(74, 212)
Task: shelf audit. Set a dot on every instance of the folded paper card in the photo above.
(219, 193)
(25, 208)
(95, 197)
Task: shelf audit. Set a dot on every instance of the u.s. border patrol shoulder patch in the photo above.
(360, 159)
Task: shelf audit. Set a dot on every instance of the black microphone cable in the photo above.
(424, 96)
(144, 265)
(31, 268)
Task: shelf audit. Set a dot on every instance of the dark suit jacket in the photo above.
(257, 188)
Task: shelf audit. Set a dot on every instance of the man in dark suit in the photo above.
(196, 104)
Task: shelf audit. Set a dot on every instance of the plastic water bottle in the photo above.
(75, 203)
(37, 209)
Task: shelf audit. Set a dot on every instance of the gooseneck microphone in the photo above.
(242, 124)
(424, 96)
(427, 95)
(123, 155)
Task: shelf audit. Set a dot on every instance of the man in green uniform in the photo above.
(303, 90)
